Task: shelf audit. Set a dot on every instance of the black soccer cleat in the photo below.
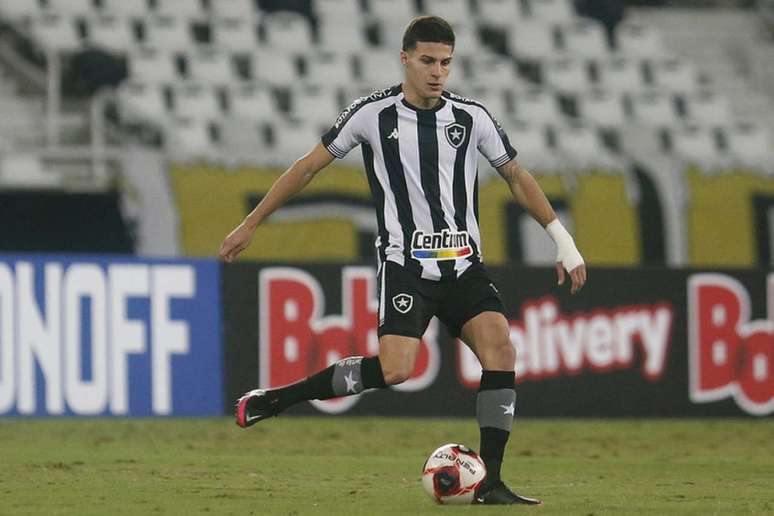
(499, 494)
(252, 407)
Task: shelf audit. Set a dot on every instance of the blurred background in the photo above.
(138, 133)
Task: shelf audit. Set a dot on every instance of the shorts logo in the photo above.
(444, 245)
(455, 134)
(403, 303)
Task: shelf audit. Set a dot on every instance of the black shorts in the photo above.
(407, 303)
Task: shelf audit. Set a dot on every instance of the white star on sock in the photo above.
(351, 382)
(509, 409)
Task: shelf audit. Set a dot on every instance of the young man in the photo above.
(419, 148)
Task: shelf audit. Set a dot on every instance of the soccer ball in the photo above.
(452, 474)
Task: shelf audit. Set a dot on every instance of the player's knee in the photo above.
(396, 374)
(498, 354)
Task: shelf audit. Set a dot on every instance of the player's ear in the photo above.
(403, 57)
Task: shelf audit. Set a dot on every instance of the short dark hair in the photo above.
(429, 29)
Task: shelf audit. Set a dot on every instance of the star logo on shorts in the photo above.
(455, 134)
(403, 303)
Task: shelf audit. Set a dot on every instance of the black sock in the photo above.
(348, 376)
(495, 408)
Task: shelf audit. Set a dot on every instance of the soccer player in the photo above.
(419, 146)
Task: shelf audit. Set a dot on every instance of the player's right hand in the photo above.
(236, 242)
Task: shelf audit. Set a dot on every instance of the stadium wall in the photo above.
(119, 336)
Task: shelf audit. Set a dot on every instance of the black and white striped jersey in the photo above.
(422, 170)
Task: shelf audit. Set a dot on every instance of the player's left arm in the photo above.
(530, 196)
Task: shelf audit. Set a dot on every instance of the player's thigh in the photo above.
(397, 355)
(471, 294)
(488, 336)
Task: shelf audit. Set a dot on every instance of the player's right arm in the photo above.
(292, 181)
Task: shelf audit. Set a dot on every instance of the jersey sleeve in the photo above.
(347, 132)
(493, 143)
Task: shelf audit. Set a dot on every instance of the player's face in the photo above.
(427, 68)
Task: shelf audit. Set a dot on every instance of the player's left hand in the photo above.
(577, 276)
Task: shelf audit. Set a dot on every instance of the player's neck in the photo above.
(412, 97)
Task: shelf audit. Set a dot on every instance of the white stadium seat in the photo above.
(183, 9)
(636, 40)
(621, 74)
(555, 11)
(530, 40)
(126, 8)
(56, 33)
(277, 69)
(750, 143)
(494, 100)
(531, 142)
(493, 72)
(500, 13)
(580, 142)
(172, 34)
(293, 140)
(287, 32)
(341, 37)
(695, 144)
(244, 138)
(252, 102)
(234, 9)
(380, 69)
(675, 75)
(111, 33)
(316, 106)
(329, 69)
(708, 107)
(138, 101)
(601, 108)
(212, 66)
(566, 75)
(456, 12)
(656, 109)
(200, 101)
(395, 13)
(585, 38)
(152, 65)
(337, 11)
(537, 106)
(235, 34)
(190, 138)
(80, 8)
(15, 10)
(467, 42)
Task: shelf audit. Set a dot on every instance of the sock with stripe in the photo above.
(348, 376)
(495, 409)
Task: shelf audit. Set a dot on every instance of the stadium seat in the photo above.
(636, 40)
(341, 12)
(287, 32)
(601, 108)
(581, 143)
(191, 138)
(537, 106)
(565, 75)
(23, 170)
(380, 69)
(494, 100)
(293, 140)
(329, 69)
(56, 33)
(695, 144)
(70, 8)
(499, 13)
(235, 9)
(750, 143)
(316, 106)
(235, 34)
(531, 142)
(138, 101)
(125, 8)
(187, 10)
(456, 12)
(15, 10)
(708, 107)
(341, 37)
(467, 42)
(394, 13)
(554, 11)
(211, 66)
(493, 72)
(530, 40)
(152, 65)
(585, 38)
(252, 102)
(675, 74)
(169, 33)
(655, 109)
(620, 74)
(194, 100)
(277, 69)
(245, 138)
(111, 33)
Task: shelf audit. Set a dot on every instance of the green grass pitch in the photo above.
(369, 466)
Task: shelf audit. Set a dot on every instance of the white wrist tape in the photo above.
(566, 252)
